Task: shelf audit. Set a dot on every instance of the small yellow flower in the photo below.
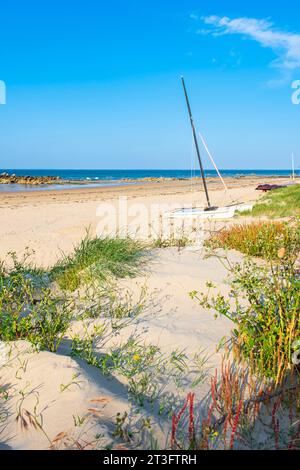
(136, 357)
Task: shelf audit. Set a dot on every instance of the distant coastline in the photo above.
(12, 180)
(113, 175)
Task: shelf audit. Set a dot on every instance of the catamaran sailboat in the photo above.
(209, 211)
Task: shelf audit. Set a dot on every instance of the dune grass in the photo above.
(283, 202)
(269, 240)
(264, 305)
(97, 258)
(31, 308)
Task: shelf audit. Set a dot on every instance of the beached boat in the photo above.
(269, 187)
(209, 211)
(217, 213)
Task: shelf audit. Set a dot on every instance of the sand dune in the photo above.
(172, 320)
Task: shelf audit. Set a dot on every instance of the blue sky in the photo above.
(96, 84)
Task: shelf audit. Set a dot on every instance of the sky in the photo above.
(94, 84)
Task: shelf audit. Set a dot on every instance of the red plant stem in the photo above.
(209, 415)
(174, 428)
(275, 422)
(191, 419)
(176, 419)
(235, 424)
(225, 431)
(276, 430)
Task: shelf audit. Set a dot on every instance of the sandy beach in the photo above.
(53, 221)
(49, 222)
(149, 231)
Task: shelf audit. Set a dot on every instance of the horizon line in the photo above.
(148, 169)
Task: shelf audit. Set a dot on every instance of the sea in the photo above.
(92, 178)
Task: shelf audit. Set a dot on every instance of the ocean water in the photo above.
(113, 177)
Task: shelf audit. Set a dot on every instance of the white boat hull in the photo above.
(218, 213)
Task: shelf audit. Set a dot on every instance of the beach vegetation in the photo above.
(242, 412)
(30, 310)
(263, 305)
(268, 240)
(97, 259)
(257, 395)
(254, 398)
(177, 241)
(278, 203)
(142, 365)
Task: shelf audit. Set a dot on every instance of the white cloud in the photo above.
(286, 45)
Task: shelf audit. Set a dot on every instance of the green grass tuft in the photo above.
(98, 258)
(181, 241)
(283, 202)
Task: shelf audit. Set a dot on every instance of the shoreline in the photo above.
(51, 222)
(125, 183)
(25, 183)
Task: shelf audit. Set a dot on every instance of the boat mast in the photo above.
(196, 143)
(293, 167)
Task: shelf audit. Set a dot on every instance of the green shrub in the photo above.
(264, 305)
(268, 240)
(31, 312)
